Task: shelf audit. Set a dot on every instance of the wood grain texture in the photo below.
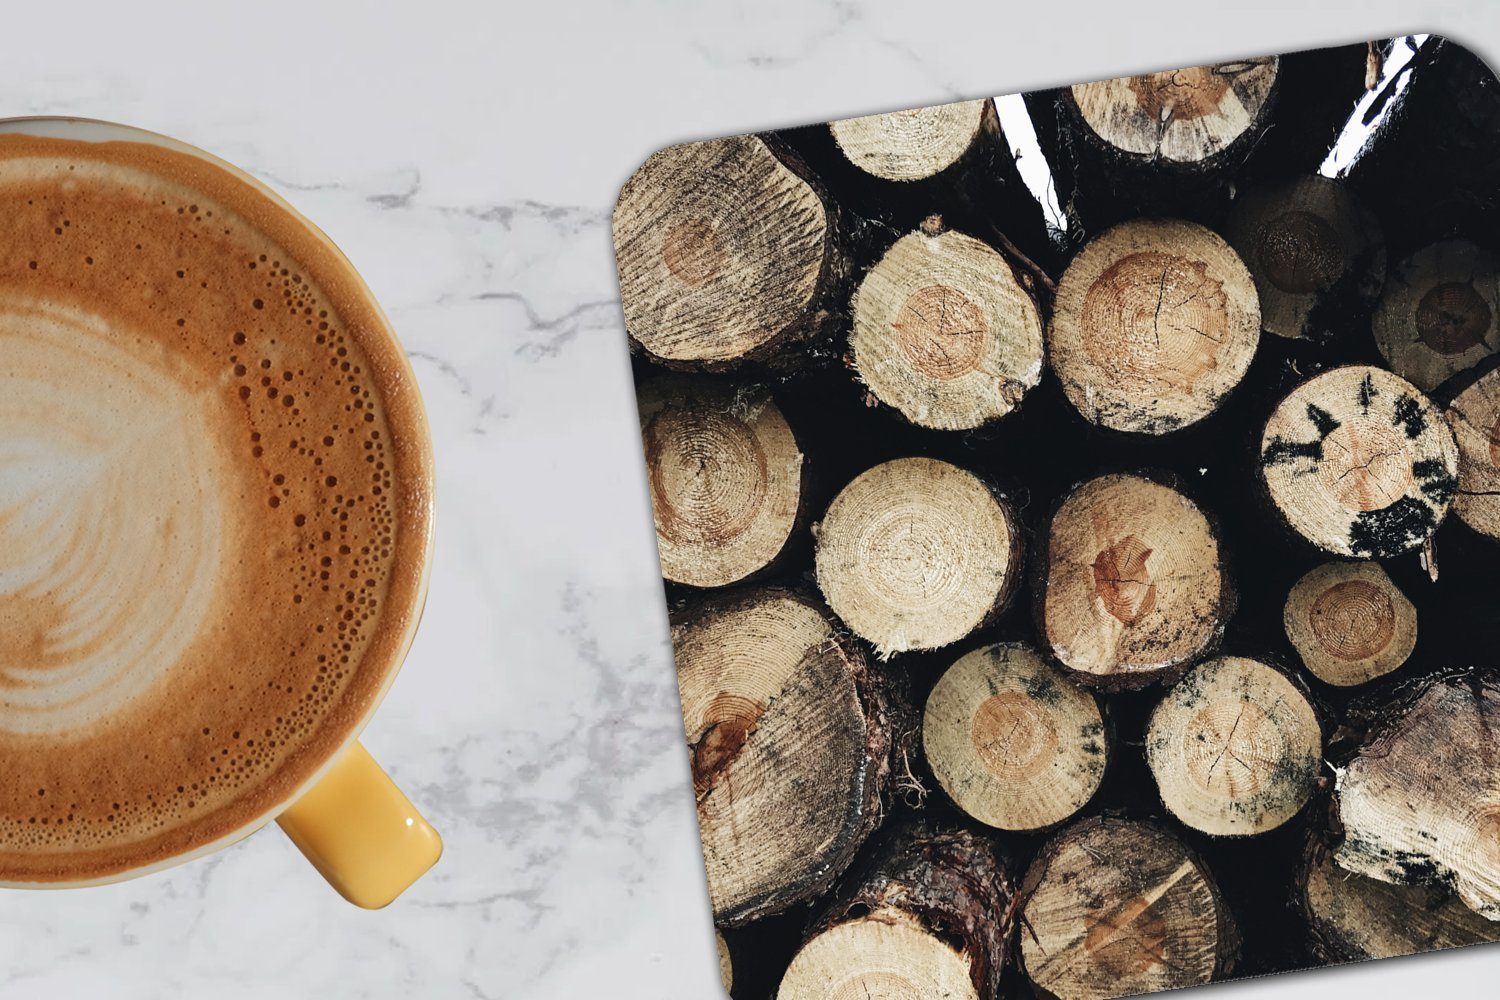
(791, 736)
(1419, 802)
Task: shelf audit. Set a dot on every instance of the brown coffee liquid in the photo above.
(213, 510)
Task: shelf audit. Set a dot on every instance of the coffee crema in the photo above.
(214, 506)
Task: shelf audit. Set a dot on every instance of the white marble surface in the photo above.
(466, 156)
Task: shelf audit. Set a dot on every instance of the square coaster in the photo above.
(1078, 512)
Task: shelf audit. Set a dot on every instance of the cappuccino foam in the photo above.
(213, 506)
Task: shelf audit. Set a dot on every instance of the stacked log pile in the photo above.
(1078, 612)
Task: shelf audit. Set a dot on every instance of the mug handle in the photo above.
(360, 832)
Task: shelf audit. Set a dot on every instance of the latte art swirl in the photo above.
(97, 611)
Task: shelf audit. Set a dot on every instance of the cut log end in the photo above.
(726, 962)
(1415, 808)
(1015, 744)
(790, 744)
(722, 251)
(726, 480)
(916, 554)
(912, 145)
(927, 915)
(1440, 313)
(1115, 908)
(1155, 322)
(885, 954)
(1184, 116)
(1353, 918)
(1360, 462)
(1235, 748)
(1308, 243)
(1349, 623)
(1474, 416)
(1133, 588)
(944, 333)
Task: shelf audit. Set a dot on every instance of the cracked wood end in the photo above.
(1114, 907)
(1420, 801)
(1133, 587)
(1155, 322)
(791, 739)
(1474, 416)
(1349, 622)
(1013, 742)
(916, 553)
(1440, 313)
(1235, 748)
(1359, 462)
(945, 333)
(1353, 918)
(725, 253)
(726, 478)
(1182, 116)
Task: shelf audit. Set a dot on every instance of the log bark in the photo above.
(727, 479)
(1474, 414)
(1359, 462)
(1014, 743)
(1317, 256)
(1317, 91)
(1429, 170)
(1132, 586)
(1114, 907)
(1155, 322)
(927, 915)
(1419, 802)
(1350, 623)
(728, 252)
(1235, 748)
(917, 144)
(792, 736)
(1352, 918)
(916, 553)
(945, 332)
(1440, 313)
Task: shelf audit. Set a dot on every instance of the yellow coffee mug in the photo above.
(350, 820)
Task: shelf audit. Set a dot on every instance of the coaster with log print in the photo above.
(1014, 743)
(1349, 623)
(1053, 485)
(1133, 587)
(1235, 747)
(944, 332)
(916, 554)
(1155, 322)
(726, 479)
(1360, 462)
(1114, 907)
